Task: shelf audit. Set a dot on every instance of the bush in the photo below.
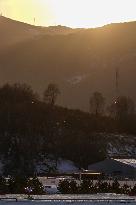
(16, 185)
(3, 185)
(34, 186)
(64, 186)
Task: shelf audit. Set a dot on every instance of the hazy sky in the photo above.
(73, 13)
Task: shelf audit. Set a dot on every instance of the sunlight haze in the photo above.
(72, 13)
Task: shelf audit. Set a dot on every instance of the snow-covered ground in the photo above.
(121, 145)
(61, 166)
(66, 166)
(117, 146)
(101, 199)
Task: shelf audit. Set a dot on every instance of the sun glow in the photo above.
(73, 13)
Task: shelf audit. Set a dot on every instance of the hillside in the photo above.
(34, 133)
(79, 61)
(13, 32)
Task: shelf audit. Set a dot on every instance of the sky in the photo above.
(72, 13)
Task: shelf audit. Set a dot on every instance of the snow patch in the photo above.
(130, 162)
(51, 165)
(66, 166)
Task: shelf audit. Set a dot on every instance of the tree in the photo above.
(73, 187)
(97, 103)
(86, 186)
(50, 94)
(16, 185)
(115, 186)
(3, 185)
(122, 107)
(125, 189)
(35, 185)
(133, 191)
(17, 93)
(103, 187)
(122, 110)
(64, 186)
(68, 187)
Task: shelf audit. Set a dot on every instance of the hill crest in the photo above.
(81, 62)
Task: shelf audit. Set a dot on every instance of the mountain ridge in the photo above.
(80, 62)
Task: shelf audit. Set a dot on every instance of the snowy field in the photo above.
(65, 203)
(97, 199)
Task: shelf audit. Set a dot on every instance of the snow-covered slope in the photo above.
(121, 145)
(66, 166)
(59, 166)
(117, 146)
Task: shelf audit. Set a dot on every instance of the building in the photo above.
(125, 168)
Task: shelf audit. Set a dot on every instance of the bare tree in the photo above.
(122, 107)
(97, 103)
(50, 94)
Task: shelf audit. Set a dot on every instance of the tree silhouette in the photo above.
(16, 185)
(115, 186)
(97, 103)
(35, 185)
(50, 94)
(122, 107)
(86, 186)
(17, 93)
(3, 185)
(64, 186)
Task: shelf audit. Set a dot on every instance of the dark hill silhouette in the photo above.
(81, 62)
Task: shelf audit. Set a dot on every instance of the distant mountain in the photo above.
(80, 61)
(12, 32)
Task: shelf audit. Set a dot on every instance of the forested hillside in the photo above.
(33, 129)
